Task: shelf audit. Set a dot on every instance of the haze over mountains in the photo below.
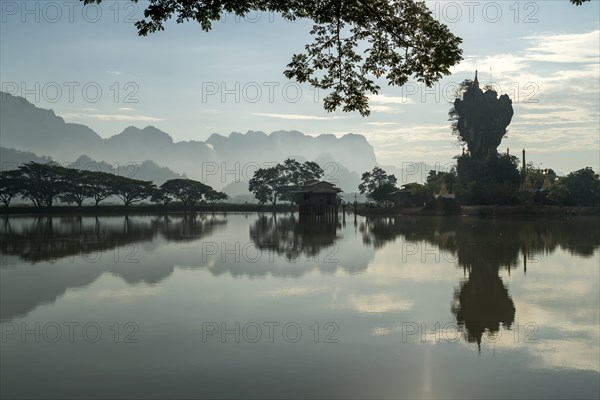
(217, 161)
(220, 161)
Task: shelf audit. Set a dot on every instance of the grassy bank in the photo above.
(141, 209)
(488, 211)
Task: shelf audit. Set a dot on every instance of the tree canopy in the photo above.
(376, 184)
(355, 41)
(188, 191)
(11, 183)
(279, 181)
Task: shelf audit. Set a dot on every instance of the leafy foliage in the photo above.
(266, 183)
(495, 180)
(435, 179)
(377, 182)
(214, 196)
(78, 188)
(379, 194)
(100, 185)
(355, 41)
(131, 190)
(279, 181)
(11, 183)
(583, 187)
(188, 191)
(43, 182)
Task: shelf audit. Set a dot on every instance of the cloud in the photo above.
(111, 117)
(391, 109)
(381, 123)
(126, 109)
(296, 291)
(505, 63)
(553, 83)
(380, 303)
(114, 72)
(300, 117)
(565, 48)
(384, 99)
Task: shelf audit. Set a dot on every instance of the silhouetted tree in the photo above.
(494, 180)
(213, 196)
(435, 179)
(538, 175)
(294, 174)
(44, 182)
(355, 41)
(131, 190)
(583, 187)
(78, 187)
(11, 184)
(265, 184)
(377, 181)
(279, 181)
(160, 196)
(381, 192)
(100, 185)
(188, 191)
(559, 193)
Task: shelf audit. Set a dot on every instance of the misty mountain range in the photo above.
(223, 162)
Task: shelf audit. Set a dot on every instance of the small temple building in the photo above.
(403, 197)
(318, 198)
(444, 193)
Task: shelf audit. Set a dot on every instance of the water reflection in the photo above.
(80, 249)
(148, 249)
(369, 277)
(482, 247)
(54, 238)
(291, 238)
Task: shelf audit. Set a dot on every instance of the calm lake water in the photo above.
(262, 305)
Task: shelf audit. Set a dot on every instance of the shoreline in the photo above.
(487, 211)
(142, 209)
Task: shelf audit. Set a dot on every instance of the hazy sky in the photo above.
(90, 67)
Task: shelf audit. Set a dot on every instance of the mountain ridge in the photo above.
(217, 161)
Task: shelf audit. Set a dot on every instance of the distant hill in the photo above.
(217, 161)
(146, 170)
(11, 158)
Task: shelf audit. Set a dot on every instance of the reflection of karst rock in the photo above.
(482, 119)
(481, 247)
(482, 304)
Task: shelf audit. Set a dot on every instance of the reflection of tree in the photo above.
(501, 239)
(106, 245)
(482, 303)
(292, 238)
(52, 238)
(187, 227)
